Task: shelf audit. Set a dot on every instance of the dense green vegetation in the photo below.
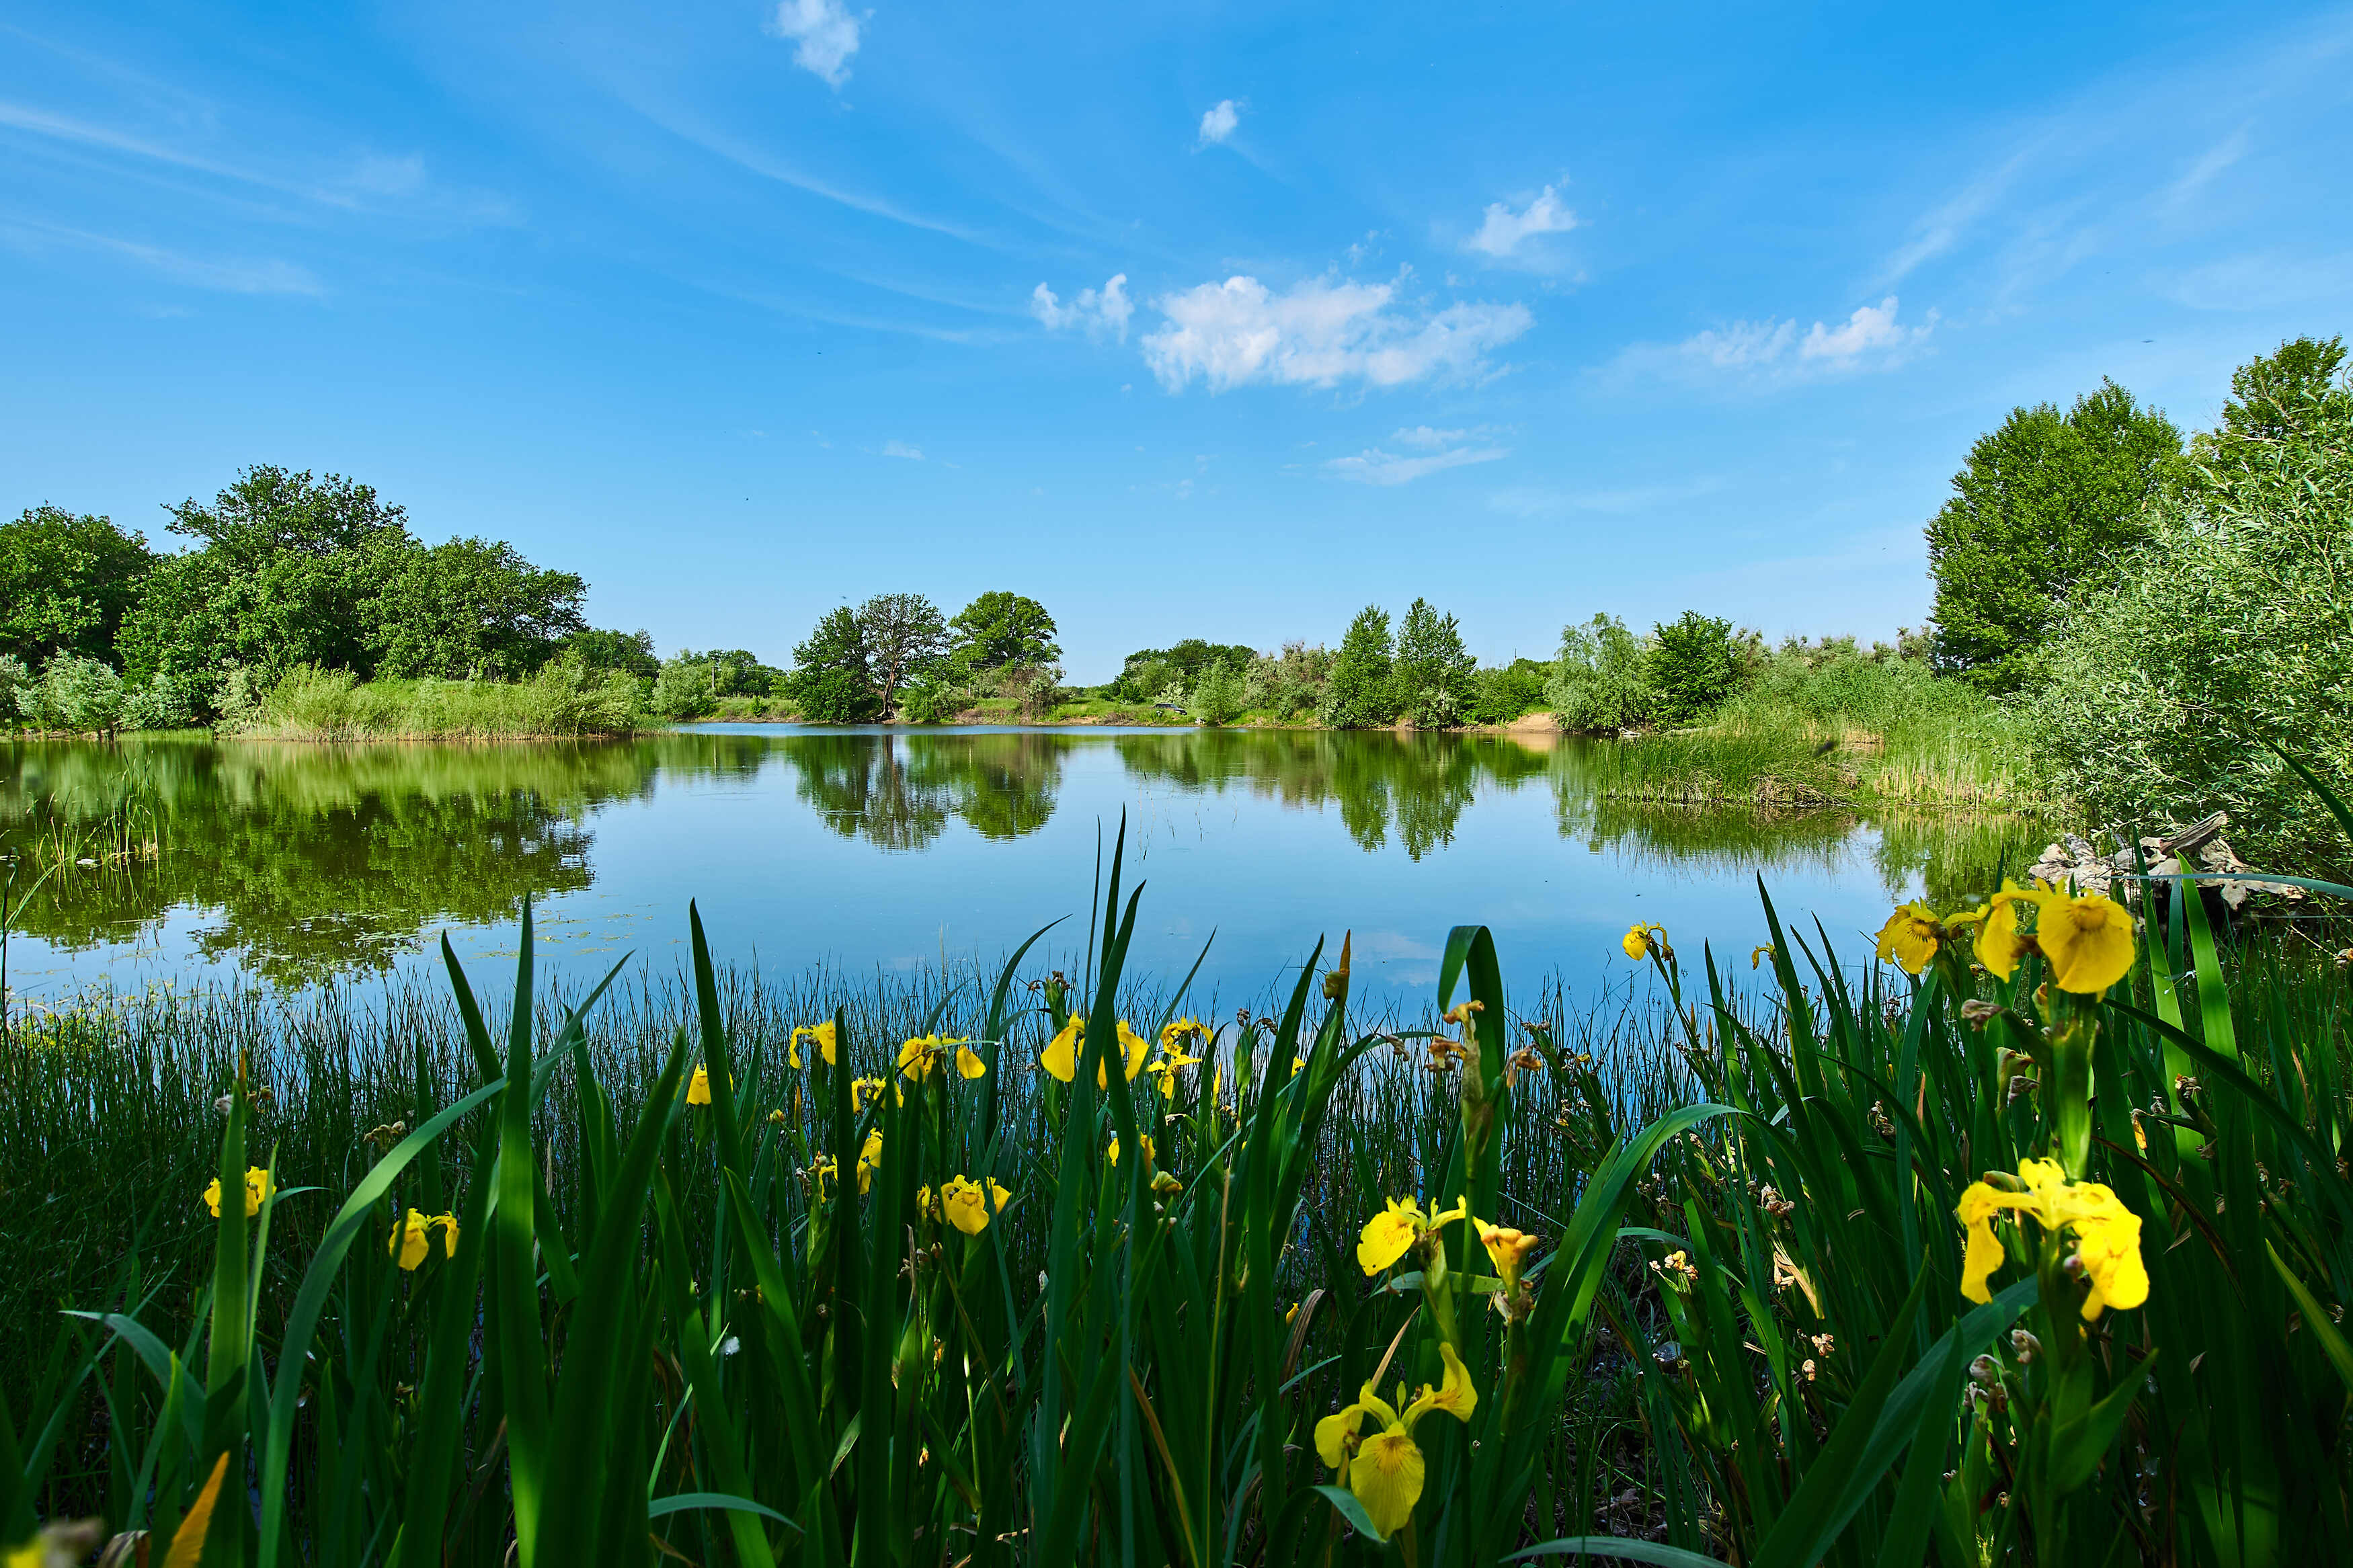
(1721, 1278)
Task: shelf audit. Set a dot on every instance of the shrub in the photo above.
(165, 702)
(1597, 685)
(930, 699)
(684, 689)
(1690, 666)
(80, 694)
(1218, 696)
(2230, 624)
(15, 689)
(1499, 695)
(1432, 672)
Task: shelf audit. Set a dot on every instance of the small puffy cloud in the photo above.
(1101, 314)
(825, 35)
(1318, 333)
(1774, 351)
(1505, 231)
(1375, 465)
(1219, 123)
(902, 450)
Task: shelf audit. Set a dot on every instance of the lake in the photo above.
(288, 865)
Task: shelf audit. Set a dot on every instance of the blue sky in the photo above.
(1212, 321)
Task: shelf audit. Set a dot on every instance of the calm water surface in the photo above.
(292, 865)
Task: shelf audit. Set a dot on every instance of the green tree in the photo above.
(66, 583)
(1432, 672)
(1217, 697)
(905, 638)
(1598, 686)
(1000, 628)
(628, 653)
(1499, 695)
(1362, 690)
(2046, 499)
(832, 680)
(2229, 626)
(472, 606)
(1691, 667)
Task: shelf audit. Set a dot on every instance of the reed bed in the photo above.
(646, 1277)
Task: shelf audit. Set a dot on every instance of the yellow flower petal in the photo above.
(1332, 1434)
(2089, 941)
(1387, 1476)
(1387, 1235)
(698, 1088)
(1910, 938)
(1061, 1056)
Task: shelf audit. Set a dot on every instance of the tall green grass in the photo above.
(563, 701)
(666, 1329)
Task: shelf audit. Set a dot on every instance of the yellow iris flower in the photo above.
(917, 1057)
(1145, 1139)
(257, 1188)
(1641, 939)
(865, 1091)
(1914, 935)
(1391, 1235)
(411, 1237)
(2107, 1234)
(870, 1160)
(2087, 939)
(821, 1035)
(1061, 1056)
(1507, 1248)
(967, 1205)
(1386, 1469)
(1164, 1072)
(698, 1088)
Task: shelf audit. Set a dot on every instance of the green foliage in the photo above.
(684, 689)
(2227, 626)
(1001, 628)
(630, 653)
(66, 583)
(1740, 1335)
(1288, 683)
(933, 698)
(1690, 668)
(291, 570)
(164, 702)
(1362, 692)
(1217, 697)
(1150, 673)
(83, 695)
(1431, 672)
(1514, 691)
(905, 639)
(1599, 685)
(832, 679)
(564, 699)
(2045, 500)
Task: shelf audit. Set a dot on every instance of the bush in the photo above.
(1499, 695)
(79, 694)
(1691, 667)
(1598, 686)
(163, 703)
(684, 689)
(15, 689)
(1218, 696)
(930, 699)
(2228, 627)
(1432, 672)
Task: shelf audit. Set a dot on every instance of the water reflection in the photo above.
(299, 862)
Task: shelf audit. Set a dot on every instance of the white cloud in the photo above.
(901, 449)
(1318, 334)
(1375, 467)
(1424, 436)
(1774, 351)
(1099, 314)
(1532, 501)
(232, 277)
(1505, 231)
(1219, 123)
(825, 33)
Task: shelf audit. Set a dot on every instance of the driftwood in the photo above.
(2198, 850)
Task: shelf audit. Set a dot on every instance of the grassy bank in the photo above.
(731, 1306)
(562, 701)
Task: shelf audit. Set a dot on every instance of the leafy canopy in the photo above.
(1001, 628)
(66, 584)
(2044, 501)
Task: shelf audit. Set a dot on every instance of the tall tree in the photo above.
(66, 583)
(1432, 671)
(471, 607)
(832, 679)
(1000, 628)
(1361, 692)
(2045, 499)
(905, 637)
(2295, 389)
(1691, 667)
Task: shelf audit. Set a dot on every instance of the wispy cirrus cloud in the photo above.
(1430, 451)
(1319, 333)
(227, 276)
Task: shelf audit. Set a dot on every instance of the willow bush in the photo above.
(2028, 1250)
